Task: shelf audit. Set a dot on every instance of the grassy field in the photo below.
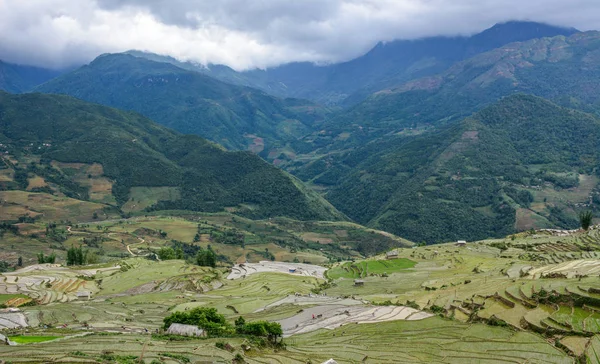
(32, 339)
(49, 207)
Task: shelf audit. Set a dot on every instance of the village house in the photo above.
(392, 254)
(185, 330)
(84, 295)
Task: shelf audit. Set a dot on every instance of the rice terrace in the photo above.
(532, 297)
(300, 182)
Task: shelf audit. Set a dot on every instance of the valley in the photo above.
(433, 200)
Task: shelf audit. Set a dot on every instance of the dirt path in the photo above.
(142, 241)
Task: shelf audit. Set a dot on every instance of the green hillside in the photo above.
(520, 163)
(17, 78)
(189, 102)
(562, 69)
(62, 146)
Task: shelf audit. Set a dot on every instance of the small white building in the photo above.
(461, 243)
(392, 254)
(84, 295)
(185, 330)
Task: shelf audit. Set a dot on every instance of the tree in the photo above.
(20, 262)
(240, 322)
(585, 218)
(76, 256)
(206, 318)
(46, 259)
(206, 258)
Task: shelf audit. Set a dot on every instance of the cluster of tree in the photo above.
(8, 227)
(206, 318)
(215, 324)
(55, 233)
(43, 259)
(65, 183)
(5, 266)
(232, 237)
(179, 250)
(77, 256)
(168, 253)
(94, 242)
(270, 330)
(206, 258)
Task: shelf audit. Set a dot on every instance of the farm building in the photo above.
(330, 361)
(359, 282)
(392, 254)
(461, 243)
(84, 295)
(185, 330)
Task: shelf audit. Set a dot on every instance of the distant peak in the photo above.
(527, 25)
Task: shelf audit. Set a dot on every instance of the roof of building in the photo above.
(83, 294)
(330, 361)
(185, 330)
(392, 252)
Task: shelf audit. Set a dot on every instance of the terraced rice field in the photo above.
(428, 341)
(243, 270)
(369, 267)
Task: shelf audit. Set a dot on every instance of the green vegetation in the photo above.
(67, 130)
(585, 218)
(188, 101)
(369, 268)
(77, 256)
(32, 339)
(42, 259)
(208, 319)
(521, 163)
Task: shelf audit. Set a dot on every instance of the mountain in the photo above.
(391, 63)
(62, 146)
(386, 65)
(565, 70)
(522, 162)
(192, 103)
(16, 78)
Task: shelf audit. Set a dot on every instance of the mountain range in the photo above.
(434, 139)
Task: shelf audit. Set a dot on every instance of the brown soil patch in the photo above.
(341, 233)
(36, 182)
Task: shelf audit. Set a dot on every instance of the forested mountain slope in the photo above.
(520, 163)
(16, 78)
(563, 69)
(187, 101)
(67, 147)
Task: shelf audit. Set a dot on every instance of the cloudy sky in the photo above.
(253, 33)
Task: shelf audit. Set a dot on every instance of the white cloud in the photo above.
(245, 34)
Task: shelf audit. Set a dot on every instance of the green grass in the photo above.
(32, 339)
(7, 297)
